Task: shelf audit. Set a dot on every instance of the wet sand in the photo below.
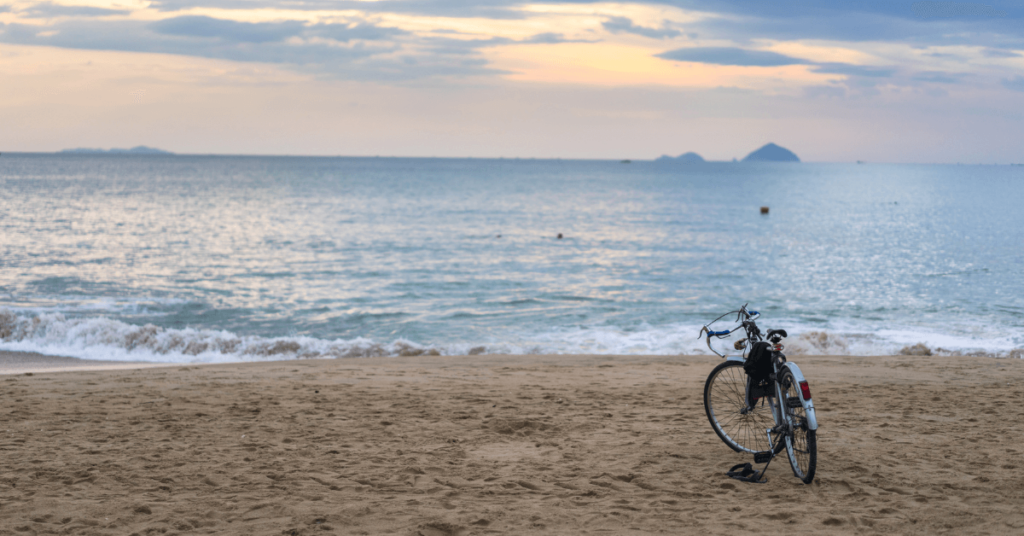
(500, 445)
(21, 362)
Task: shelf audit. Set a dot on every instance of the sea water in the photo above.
(216, 258)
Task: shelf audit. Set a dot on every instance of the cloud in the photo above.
(954, 10)
(999, 53)
(49, 10)
(359, 31)
(1015, 83)
(136, 36)
(494, 9)
(352, 50)
(730, 56)
(624, 25)
(737, 20)
(463, 46)
(472, 46)
(340, 48)
(855, 21)
(228, 30)
(181, 5)
(828, 92)
(761, 58)
(937, 77)
(859, 77)
(359, 51)
(853, 70)
(547, 38)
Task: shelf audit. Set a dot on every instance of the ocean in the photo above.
(220, 258)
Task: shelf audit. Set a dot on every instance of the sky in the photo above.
(839, 81)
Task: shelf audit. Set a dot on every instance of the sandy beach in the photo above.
(498, 445)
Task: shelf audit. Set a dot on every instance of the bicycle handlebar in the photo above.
(750, 315)
(747, 323)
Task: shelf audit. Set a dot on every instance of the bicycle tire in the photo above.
(724, 400)
(801, 443)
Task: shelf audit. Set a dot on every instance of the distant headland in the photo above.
(767, 153)
(141, 149)
(685, 157)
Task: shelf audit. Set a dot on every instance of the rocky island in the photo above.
(771, 153)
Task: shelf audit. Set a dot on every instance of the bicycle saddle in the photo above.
(780, 333)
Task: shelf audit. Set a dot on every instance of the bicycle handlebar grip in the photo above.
(717, 333)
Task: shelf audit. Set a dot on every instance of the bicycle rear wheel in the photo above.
(801, 443)
(725, 404)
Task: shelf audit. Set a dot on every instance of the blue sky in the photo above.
(833, 81)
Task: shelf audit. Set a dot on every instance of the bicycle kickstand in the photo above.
(747, 473)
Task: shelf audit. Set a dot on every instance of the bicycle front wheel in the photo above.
(801, 443)
(742, 428)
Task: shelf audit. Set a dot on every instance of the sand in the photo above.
(501, 445)
(20, 362)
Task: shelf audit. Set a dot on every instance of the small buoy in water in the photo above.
(764, 210)
(559, 236)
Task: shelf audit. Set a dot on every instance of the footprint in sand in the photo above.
(441, 529)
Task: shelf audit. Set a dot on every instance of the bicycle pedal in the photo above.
(793, 403)
(763, 457)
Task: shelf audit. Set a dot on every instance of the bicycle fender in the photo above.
(812, 419)
(735, 358)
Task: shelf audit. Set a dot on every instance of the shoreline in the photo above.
(18, 362)
(31, 362)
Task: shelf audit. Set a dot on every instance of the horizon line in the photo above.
(165, 153)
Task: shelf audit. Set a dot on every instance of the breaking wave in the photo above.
(107, 339)
(103, 338)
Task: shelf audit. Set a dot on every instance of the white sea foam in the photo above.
(109, 339)
(104, 338)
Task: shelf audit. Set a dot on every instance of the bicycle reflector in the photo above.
(805, 390)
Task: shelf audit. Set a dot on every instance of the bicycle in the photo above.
(761, 415)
